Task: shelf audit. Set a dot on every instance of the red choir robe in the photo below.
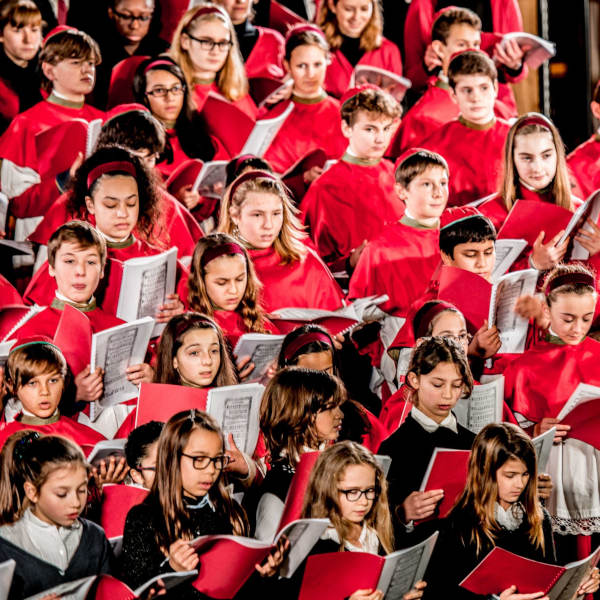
(350, 203)
(475, 156)
(266, 58)
(539, 382)
(20, 180)
(584, 163)
(179, 156)
(400, 263)
(8, 293)
(201, 90)
(340, 71)
(310, 126)
(306, 283)
(233, 326)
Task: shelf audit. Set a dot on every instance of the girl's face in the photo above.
(260, 219)
(512, 478)
(319, 361)
(356, 478)
(438, 391)
(201, 443)
(328, 424)
(62, 497)
(42, 393)
(144, 474)
(165, 93)
(238, 10)
(21, 43)
(132, 19)
(535, 159)
(452, 325)
(307, 67)
(198, 359)
(352, 15)
(207, 62)
(226, 279)
(571, 316)
(115, 205)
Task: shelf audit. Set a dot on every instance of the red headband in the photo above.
(187, 324)
(241, 158)
(223, 249)
(160, 62)
(407, 154)
(305, 27)
(442, 11)
(431, 313)
(249, 176)
(110, 167)
(571, 279)
(57, 30)
(465, 50)
(209, 10)
(534, 119)
(304, 340)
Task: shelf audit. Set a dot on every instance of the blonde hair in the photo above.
(289, 244)
(561, 188)
(371, 36)
(321, 498)
(231, 79)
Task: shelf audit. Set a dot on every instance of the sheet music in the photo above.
(566, 587)
(543, 444)
(385, 462)
(7, 569)
(210, 182)
(72, 590)
(583, 392)
(264, 133)
(388, 81)
(236, 409)
(484, 406)
(104, 449)
(579, 252)
(4, 350)
(170, 580)
(3, 211)
(93, 134)
(537, 50)
(507, 251)
(263, 350)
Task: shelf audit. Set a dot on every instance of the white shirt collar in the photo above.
(369, 542)
(113, 240)
(429, 425)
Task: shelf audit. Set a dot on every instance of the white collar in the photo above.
(114, 240)
(511, 518)
(31, 520)
(429, 425)
(369, 542)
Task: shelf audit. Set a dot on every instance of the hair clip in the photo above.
(21, 447)
(193, 415)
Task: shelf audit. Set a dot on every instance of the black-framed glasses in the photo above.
(462, 338)
(132, 18)
(208, 44)
(355, 494)
(162, 92)
(201, 462)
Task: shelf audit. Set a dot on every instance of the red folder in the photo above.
(109, 289)
(262, 87)
(185, 174)
(294, 500)
(282, 18)
(120, 90)
(74, 338)
(160, 401)
(110, 588)
(584, 420)
(447, 471)
(116, 502)
(10, 315)
(333, 325)
(57, 147)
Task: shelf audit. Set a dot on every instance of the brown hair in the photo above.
(580, 289)
(67, 44)
(453, 16)
(289, 244)
(249, 308)
(172, 339)
(30, 360)
(167, 490)
(305, 37)
(371, 36)
(76, 232)
(321, 500)
(417, 164)
(471, 62)
(374, 101)
(231, 79)
(20, 13)
(561, 188)
(474, 511)
(289, 408)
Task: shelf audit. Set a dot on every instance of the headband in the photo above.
(408, 153)
(124, 109)
(24, 344)
(209, 10)
(443, 11)
(571, 279)
(187, 324)
(305, 27)
(465, 218)
(227, 248)
(22, 446)
(159, 62)
(241, 158)
(465, 50)
(250, 176)
(430, 313)
(348, 95)
(303, 340)
(57, 30)
(534, 119)
(110, 167)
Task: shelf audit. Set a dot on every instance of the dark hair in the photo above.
(417, 164)
(76, 232)
(238, 164)
(471, 62)
(135, 130)
(473, 229)
(453, 16)
(310, 348)
(295, 39)
(30, 360)
(139, 440)
(370, 100)
(147, 191)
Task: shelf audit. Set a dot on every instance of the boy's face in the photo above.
(370, 135)
(77, 271)
(22, 43)
(460, 37)
(475, 95)
(426, 195)
(72, 77)
(476, 257)
(42, 393)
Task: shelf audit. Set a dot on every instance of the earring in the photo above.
(235, 232)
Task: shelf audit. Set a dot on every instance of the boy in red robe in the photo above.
(68, 59)
(473, 144)
(352, 200)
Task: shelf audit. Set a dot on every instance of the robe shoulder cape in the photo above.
(584, 162)
(266, 58)
(233, 325)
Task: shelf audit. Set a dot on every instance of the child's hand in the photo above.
(76, 164)
(237, 463)
(275, 558)
(547, 256)
(486, 342)
(509, 54)
(156, 589)
(531, 307)
(142, 373)
(431, 59)
(367, 595)
(420, 505)
(590, 240)
(509, 594)
(188, 197)
(115, 472)
(416, 592)
(590, 584)
(355, 254)
(544, 486)
(90, 386)
(51, 597)
(244, 367)
(182, 557)
(548, 423)
(312, 174)
(171, 308)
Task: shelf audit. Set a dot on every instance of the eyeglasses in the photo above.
(208, 44)
(201, 462)
(162, 92)
(354, 495)
(461, 339)
(132, 18)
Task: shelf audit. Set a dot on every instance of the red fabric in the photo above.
(538, 383)
(340, 71)
(584, 162)
(120, 90)
(306, 283)
(400, 263)
(18, 146)
(266, 58)
(179, 156)
(233, 325)
(348, 204)
(307, 128)
(8, 294)
(475, 158)
(9, 102)
(171, 13)
(200, 93)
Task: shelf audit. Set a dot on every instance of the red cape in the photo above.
(266, 58)
(8, 293)
(584, 163)
(233, 325)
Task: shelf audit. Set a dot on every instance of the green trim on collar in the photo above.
(363, 162)
(199, 81)
(60, 305)
(54, 99)
(315, 100)
(32, 420)
(124, 244)
(410, 222)
(554, 339)
(443, 85)
(477, 126)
